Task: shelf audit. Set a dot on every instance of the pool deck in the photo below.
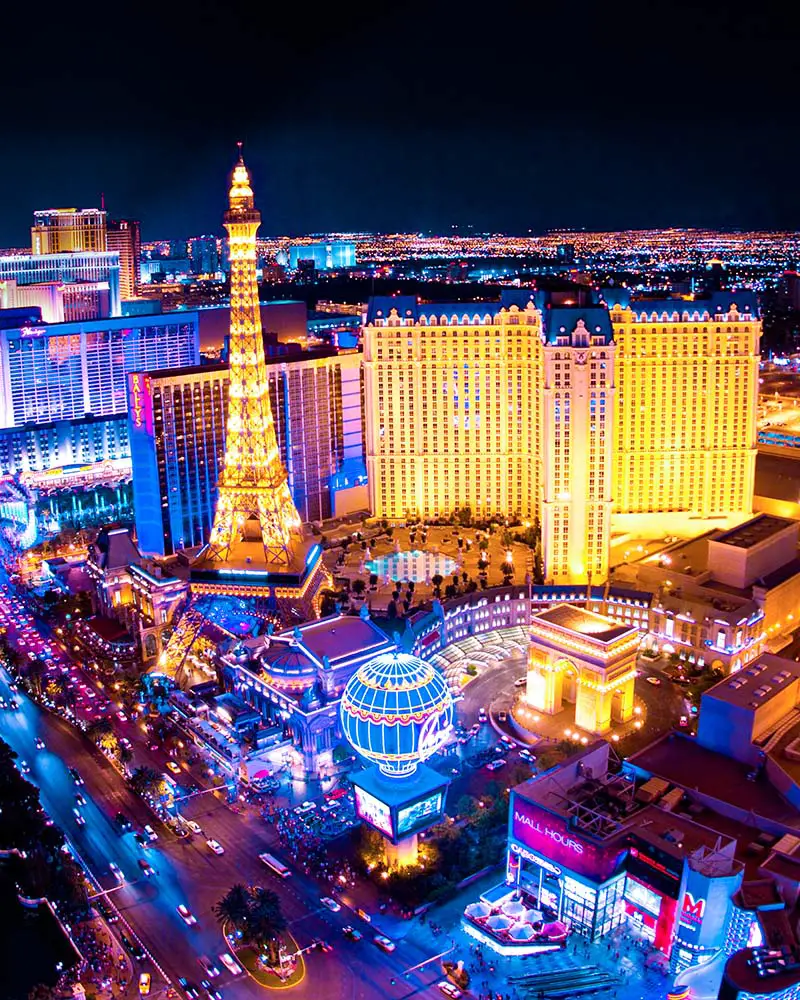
(441, 540)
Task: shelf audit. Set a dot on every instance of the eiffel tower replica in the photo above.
(259, 563)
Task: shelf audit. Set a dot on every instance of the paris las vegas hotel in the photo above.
(572, 407)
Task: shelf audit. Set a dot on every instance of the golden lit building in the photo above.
(452, 398)
(577, 443)
(585, 658)
(687, 393)
(68, 230)
(559, 406)
(123, 236)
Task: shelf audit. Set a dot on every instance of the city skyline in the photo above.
(606, 119)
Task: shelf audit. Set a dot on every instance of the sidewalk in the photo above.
(109, 970)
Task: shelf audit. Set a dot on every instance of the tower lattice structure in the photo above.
(254, 503)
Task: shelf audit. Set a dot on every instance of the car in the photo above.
(526, 754)
(146, 867)
(75, 775)
(449, 990)
(322, 945)
(172, 766)
(144, 984)
(120, 715)
(79, 818)
(123, 822)
(352, 933)
(337, 793)
(502, 716)
(116, 871)
(230, 964)
(384, 943)
(39, 743)
(186, 915)
(212, 991)
(80, 799)
(150, 832)
(188, 988)
(215, 846)
(655, 681)
(521, 681)
(495, 765)
(142, 841)
(305, 807)
(332, 905)
(24, 766)
(684, 720)
(212, 969)
(107, 912)
(132, 947)
(194, 827)
(482, 716)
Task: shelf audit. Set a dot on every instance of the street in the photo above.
(187, 872)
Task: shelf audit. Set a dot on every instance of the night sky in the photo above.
(404, 116)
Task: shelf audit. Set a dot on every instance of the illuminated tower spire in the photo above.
(255, 522)
(259, 563)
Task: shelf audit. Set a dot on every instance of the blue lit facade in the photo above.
(66, 268)
(177, 432)
(64, 371)
(326, 256)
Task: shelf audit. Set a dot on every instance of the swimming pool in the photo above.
(416, 566)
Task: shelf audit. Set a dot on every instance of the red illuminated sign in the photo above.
(693, 909)
(550, 837)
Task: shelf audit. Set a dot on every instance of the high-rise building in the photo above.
(66, 371)
(68, 230)
(331, 256)
(124, 237)
(177, 429)
(81, 267)
(204, 255)
(686, 373)
(577, 442)
(258, 551)
(452, 407)
(564, 410)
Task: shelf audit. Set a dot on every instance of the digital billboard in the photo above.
(373, 811)
(642, 897)
(550, 837)
(418, 814)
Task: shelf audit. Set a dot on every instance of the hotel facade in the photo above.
(563, 407)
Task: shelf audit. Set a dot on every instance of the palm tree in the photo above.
(145, 780)
(98, 729)
(234, 907)
(265, 921)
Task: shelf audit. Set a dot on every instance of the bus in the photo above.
(277, 867)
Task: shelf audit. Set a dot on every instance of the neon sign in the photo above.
(693, 910)
(549, 836)
(548, 831)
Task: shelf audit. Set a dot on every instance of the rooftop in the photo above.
(583, 622)
(680, 760)
(341, 636)
(757, 684)
(753, 532)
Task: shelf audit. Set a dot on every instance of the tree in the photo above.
(145, 780)
(359, 587)
(234, 907)
(437, 580)
(265, 921)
